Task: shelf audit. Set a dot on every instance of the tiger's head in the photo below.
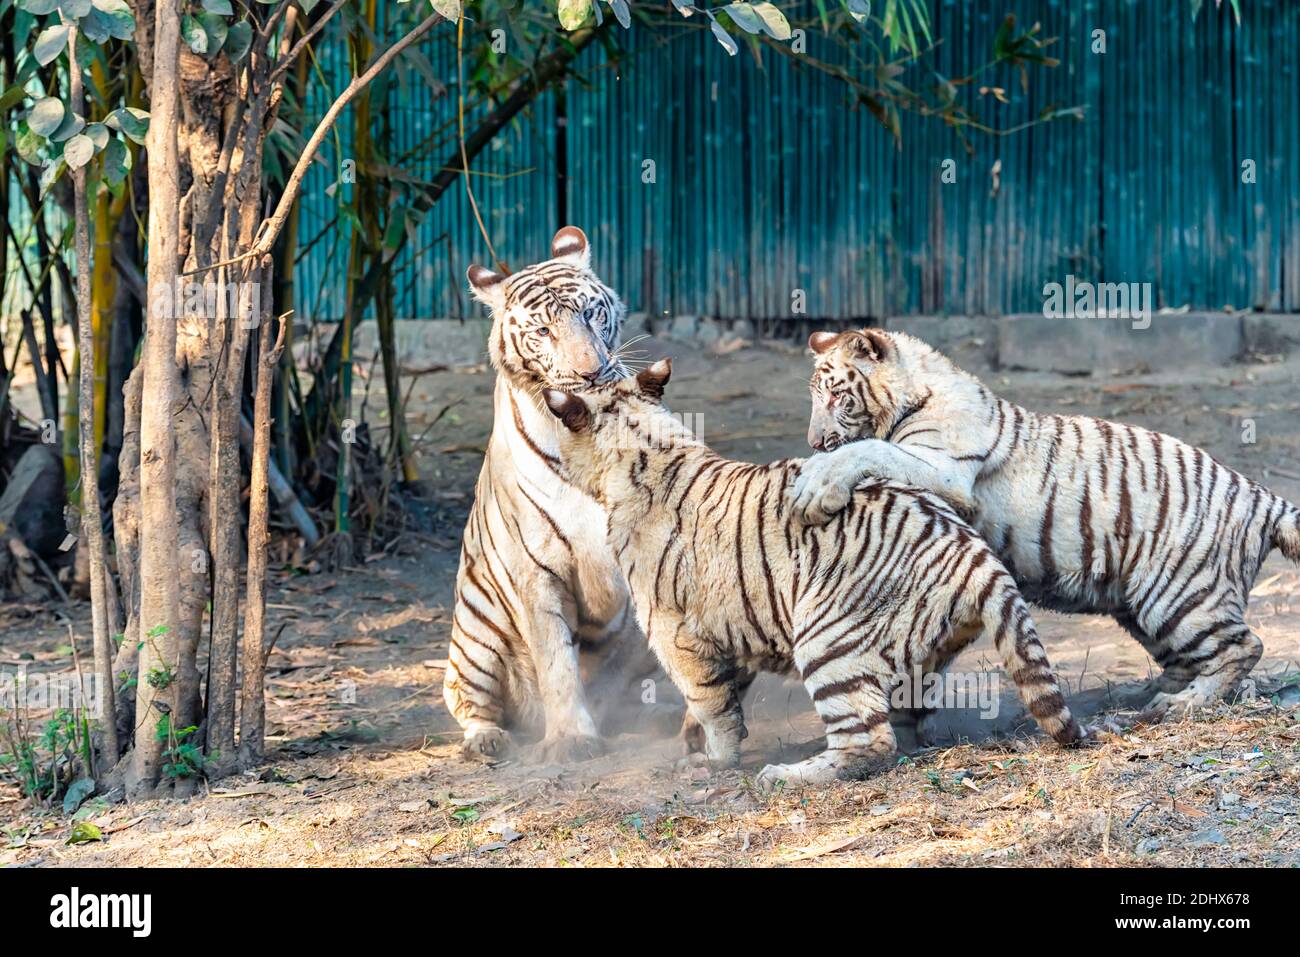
(858, 387)
(604, 427)
(554, 324)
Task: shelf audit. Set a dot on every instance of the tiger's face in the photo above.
(554, 324)
(605, 425)
(856, 387)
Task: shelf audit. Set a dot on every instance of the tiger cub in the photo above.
(725, 582)
(1088, 515)
(543, 621)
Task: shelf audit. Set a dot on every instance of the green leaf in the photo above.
(192, 33)
(74, 9)
(216, 29)
(84, 832)
(121, 21)
(743, 16)
(117, 161)
(11, 98)
(622, 12)
(98, 134)
(134, 123)
(222, 8)
(72, 125)
(77, 792)
(46, 116)
(774, 22)
(450, 9)
(238, 40)
(573, 13)
(38, 8)
(50, 43)
(308, 5)
(95, 27)
(724, 38)
(28, 145)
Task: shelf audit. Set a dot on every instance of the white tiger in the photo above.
(1088, 515)
(542, 611)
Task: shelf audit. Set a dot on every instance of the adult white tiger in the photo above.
(540, 601)
(1088, 515)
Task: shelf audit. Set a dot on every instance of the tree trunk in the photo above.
(156, 697)
(252, 721)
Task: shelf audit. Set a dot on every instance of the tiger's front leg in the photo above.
(710, 683)
(826, 481)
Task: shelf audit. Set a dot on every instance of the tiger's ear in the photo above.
(820, 342)
(569, 409)
(652, 379)
(486, 285)
(872, 344)
(570, 243)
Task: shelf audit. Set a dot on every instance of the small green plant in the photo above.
(42, 760)
(160, 678)
(465, 815)
(182, 758)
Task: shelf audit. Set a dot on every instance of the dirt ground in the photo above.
(365, 768)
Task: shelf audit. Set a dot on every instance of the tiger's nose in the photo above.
(816, 441)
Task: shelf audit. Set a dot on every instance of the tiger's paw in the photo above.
(1171, 707)
(486, 744)
(824, 486)
(815, 772)
(565, 749)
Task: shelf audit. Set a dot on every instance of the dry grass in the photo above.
(1220, 790)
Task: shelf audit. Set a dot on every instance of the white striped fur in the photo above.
(726, 583)
(542, 613)
(1088, 515)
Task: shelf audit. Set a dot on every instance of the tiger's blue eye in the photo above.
(543, 332)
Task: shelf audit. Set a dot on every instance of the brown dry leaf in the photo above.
(808, 853)
(1190, 810)
(394, 619)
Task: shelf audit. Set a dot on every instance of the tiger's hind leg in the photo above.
(1205, 659)
(476, 690)
(853, 703)
(911, 724)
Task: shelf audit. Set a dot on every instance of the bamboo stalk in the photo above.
(92, 530)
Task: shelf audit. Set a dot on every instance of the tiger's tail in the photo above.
(1286, 534)
(1007, 621)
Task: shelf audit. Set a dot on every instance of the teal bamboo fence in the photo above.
(768, 179)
